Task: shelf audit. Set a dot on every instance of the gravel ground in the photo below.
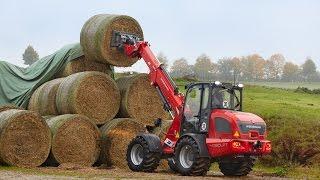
(95, 173)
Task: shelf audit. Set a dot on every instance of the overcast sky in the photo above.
(177, 28)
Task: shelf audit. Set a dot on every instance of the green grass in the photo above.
(274, 103)
(287, 85)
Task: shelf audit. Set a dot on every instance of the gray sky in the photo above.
(177, 28)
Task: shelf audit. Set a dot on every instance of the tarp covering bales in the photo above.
(17, 84)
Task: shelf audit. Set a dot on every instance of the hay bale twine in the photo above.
(43, 100)
(93, 94)
(25, 138)
(75, 140)
(116, 136)
(9, 106)
(96, 36)
(140, 100)
(81, 64)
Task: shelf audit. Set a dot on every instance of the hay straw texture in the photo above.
(93, 94)
(43, 100)
(96, 35)
(8, 106)
(25, 138)
(140, 100)
(81, 64)
(116, 136)
(75, 140)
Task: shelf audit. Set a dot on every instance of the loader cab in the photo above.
(202, 98)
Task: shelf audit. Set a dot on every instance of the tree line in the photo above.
(249, 68)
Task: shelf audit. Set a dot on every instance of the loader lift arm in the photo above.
(172, 99)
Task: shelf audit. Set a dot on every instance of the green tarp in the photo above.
(17, 84)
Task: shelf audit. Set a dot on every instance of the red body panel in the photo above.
(220, 144)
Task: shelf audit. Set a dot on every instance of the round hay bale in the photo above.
(93, 94)
(116, 136)
(75, 140)
(25, 138)
(81, 64)
(96, 35)
(9, 106)
(140, 100)
(43, 100)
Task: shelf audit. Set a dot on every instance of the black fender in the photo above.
(153, 141)
(200, 139)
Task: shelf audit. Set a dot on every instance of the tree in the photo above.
(278, 62)
(163, 59)
(30, 56)
(181, 68)
(228, 68)
(252, 67)
(270, 70)
(290, 72)
(204, 69)
(309, 70)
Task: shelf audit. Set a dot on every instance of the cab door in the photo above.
(196, 113)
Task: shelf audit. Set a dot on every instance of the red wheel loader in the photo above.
(208, 123)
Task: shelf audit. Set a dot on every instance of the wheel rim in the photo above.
(136, 154)
(186, 156)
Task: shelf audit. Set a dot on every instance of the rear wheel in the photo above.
(139, 156)
(187, 158)
(240, 167)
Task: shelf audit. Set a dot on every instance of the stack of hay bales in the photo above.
(82, 98)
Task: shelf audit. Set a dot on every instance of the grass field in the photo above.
(287, 85)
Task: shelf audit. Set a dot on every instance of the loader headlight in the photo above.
(217, 83)
(240, 85)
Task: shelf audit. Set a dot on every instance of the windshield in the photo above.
(223, 98)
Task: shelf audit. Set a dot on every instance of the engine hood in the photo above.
(248, 121)
(247, 117)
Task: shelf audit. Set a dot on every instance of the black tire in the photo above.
(199, 166)
(172, 165)
(237, 167)
(150, 160)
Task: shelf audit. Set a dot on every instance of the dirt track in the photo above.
(93, 173)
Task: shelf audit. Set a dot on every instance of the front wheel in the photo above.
(139, 156)
(188, 160)
(172, 165)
